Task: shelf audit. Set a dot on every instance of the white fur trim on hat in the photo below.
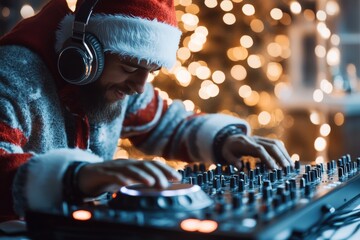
(149, 40)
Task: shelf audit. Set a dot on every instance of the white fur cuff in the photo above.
(43, 188)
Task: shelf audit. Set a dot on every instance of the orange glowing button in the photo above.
(207, 226)
(190, 225)
(81, 215)
(114, 195)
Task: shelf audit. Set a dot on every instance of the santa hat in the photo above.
(143, 29)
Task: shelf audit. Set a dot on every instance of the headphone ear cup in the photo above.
(81, 63)
(98, 52)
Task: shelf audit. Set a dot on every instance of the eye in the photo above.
(128, 69)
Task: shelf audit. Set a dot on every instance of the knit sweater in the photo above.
(38, 134)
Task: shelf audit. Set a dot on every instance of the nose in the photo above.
(137, 82)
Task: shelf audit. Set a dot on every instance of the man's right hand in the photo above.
(97, 178)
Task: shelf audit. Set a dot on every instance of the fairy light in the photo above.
(318, 95)
(295, 7)
(325, 129)
(257, 25)
(254, 61)
(226, 5)
(189, 105)
(5, 12)
(211, 3)
(71, 4)
(276, 13)
(245, 91)
(248, 9)
(229, 18)
(320, 144)
(238, 72)
(218, 77)
(246, 41)
(27, 11)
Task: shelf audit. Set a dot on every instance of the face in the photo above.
(101, 100)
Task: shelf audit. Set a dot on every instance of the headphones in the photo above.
(81, 59)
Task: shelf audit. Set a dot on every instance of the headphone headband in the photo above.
(82, 17)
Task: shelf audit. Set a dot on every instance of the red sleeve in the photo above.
(9, 163)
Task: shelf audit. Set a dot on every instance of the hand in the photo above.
(97, 178)
(270, 151)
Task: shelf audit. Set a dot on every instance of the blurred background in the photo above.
(290, 68)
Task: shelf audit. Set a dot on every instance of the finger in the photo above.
(169, 172)
(161, 180)
(277, 150)
(138, 175)
(251, 148)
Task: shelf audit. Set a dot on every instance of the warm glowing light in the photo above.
(190, 19)
(295, 7)
(202, 30)
(238, 72)
(210, 3)
(183, 77)
(257, 25)
(254, 61)
(264, 118)
(325, 129)
(248, 9)
(326, 86)
(183, 53)
(27, 11)
(71, 4)
(207, 226)
(190, 225)
(321, 15)
(332, 7)
(192, 8)
(114, 195)
(246, 41)
(192, 67)
(274, 71)
(253, 99)
(274, 49)
(237, 53)
(282, 90)
(189, 105)
(226, 5)
(245, 91)
(203, 72)
(295, 157)
(309, 15)
(283, 40)
(229, 18)
(323, 30)
(320, 144)
(195, 46)
(318, 95)
(81, 215)
(5, 12)
(335, 39)
(185, 2)
(320, 51)
(276, 13)
(315, 118)
(339, 119)
(333, 56)
(218, 77)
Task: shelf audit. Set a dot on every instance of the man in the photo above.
(58, 132)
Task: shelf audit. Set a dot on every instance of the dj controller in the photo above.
(221, 203)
